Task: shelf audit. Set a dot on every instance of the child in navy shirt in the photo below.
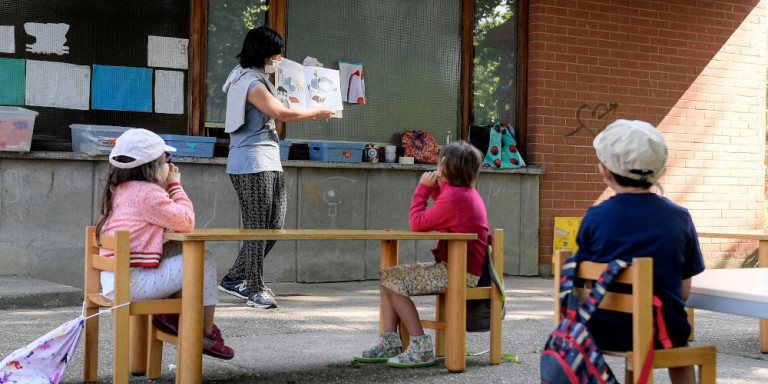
(638, 223)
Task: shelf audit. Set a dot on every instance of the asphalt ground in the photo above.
(318, 328)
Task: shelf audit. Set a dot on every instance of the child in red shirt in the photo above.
(457, 208)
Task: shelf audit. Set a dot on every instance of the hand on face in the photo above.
(430, 179)
(174, 176)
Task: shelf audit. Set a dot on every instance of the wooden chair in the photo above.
(640, 304)
(137, 344)
(496, 240)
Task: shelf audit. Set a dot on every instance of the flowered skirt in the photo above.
(420, 278)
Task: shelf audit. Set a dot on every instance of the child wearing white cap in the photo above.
(143, 195)
(638, 223)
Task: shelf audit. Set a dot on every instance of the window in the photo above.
(228, 21)
(423, 69)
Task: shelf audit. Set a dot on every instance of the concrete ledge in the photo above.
(77, 156)
(26, 292)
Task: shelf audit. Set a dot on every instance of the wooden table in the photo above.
(190, 347)
(724, 290)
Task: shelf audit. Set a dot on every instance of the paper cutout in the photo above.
(7, 39)
(169, 92)
(167, 52)
(12, 80)
(310, 61)
(49, 38)
(352, 85)
(122, 88)
(59, 85)
(308, 87)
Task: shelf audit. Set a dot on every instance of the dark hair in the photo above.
(461, 163)
(259, 45)
(117, 176)
(627, 182)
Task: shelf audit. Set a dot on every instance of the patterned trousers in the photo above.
(263, 202)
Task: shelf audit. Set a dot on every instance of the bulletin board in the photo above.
(118, 49)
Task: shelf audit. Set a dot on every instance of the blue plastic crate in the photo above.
(285, 148)
(197, 146)
(343, 152)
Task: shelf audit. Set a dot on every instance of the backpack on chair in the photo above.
(479, 311)
(571, 354)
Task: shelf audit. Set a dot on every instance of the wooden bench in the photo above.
(193, 245)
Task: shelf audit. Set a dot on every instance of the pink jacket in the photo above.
(455, 210)
(146, 209)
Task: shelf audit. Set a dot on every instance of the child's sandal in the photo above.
(213, 345)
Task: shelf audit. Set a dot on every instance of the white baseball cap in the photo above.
(632, 148)
(142, 145)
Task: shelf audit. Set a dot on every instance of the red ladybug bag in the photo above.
(421, 146)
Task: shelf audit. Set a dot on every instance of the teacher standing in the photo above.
(253, 164)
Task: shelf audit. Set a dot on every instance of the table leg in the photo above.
(389, 252)
(762, 253)
(190, 355)
(456, 308)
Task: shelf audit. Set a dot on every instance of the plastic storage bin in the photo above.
(95, 139)
(16, 125)
(344, 152)
(197, 146)
(285, 148)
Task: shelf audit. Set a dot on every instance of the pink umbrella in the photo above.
(43, 360)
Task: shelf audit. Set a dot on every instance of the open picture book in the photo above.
(300, 86)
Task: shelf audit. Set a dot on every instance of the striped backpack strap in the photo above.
(589, 306)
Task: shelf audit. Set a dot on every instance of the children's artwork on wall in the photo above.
(122, 88)
(167, 52)
(12, 80)
(352, 84)
(300, 86)
(7, 39)
(58, 85)
(169, 92)
(49, 38)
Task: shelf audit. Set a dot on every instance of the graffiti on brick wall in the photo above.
(598, 113)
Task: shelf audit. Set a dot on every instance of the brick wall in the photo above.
(695, 69)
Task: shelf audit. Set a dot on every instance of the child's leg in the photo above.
(682, 375)
(401, 308)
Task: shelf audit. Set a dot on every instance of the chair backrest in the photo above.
(639, 303)
(120, 263)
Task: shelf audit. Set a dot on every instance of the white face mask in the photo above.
(272, 68)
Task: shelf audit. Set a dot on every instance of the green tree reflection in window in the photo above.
(495, 61)
(228, 22)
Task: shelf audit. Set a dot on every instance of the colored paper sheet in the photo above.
(58, 85)
(122, 88)
(352, 84)
(12, 80)
(7, 39)
(169, 92)
(167, 52)
(49, 38)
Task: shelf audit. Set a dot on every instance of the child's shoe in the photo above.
(419, 353)
(167, 323)
(386, 345)
(213, 345)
